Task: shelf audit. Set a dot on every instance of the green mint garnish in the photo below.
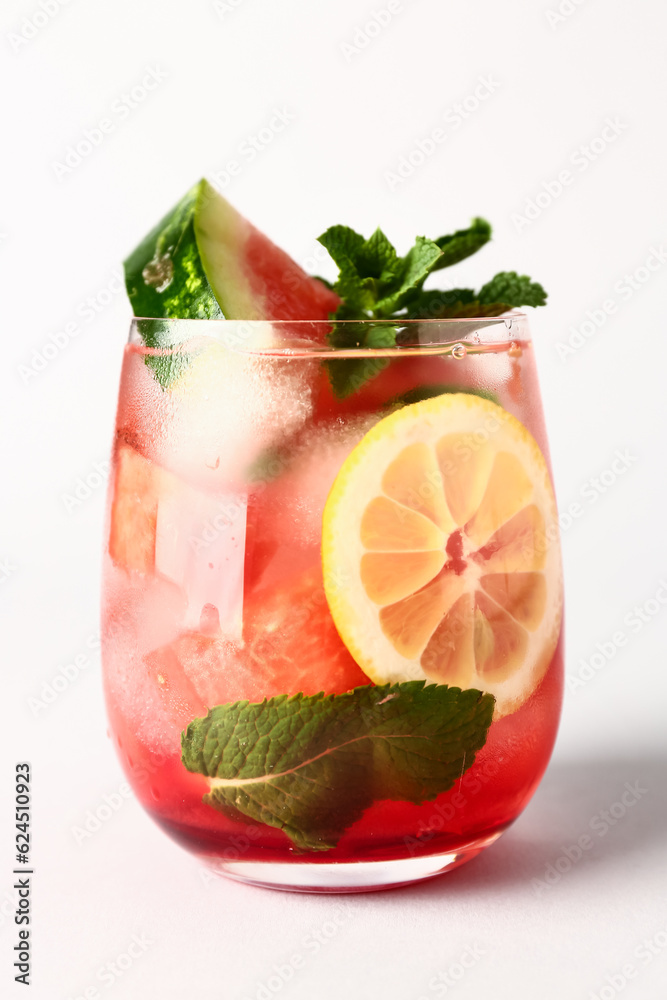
(508, 290)
(312, 765)
(374, 283)
(464, 243)
(512, 290)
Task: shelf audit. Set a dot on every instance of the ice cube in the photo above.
(200, 546)
(224, 411)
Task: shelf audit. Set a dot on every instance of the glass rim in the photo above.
(289, 337)
(395, 321)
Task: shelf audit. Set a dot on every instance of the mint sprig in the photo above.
(374, 283)
(312, 765)
(508, 290)
(463, 243)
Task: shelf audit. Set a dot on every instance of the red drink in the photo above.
(229, 489)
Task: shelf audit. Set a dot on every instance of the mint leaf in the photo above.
(462, 243)
(513, 290)
(353, 334)
(381, 335)
(343, 244)
(434, 304)
(416, 265)
(357, 292)
(507, 290)
(347, 375)
(312, 765)
(378, 258)
(367, 268)
(373, 258)
(462, 303)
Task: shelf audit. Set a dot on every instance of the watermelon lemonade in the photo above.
(332, 595)
(284, 567)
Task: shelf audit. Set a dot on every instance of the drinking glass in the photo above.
(332, 596)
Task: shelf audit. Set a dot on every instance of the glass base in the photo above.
(358, 876)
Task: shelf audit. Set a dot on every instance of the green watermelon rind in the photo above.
(165, 276)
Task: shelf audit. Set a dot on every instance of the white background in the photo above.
(355, 111)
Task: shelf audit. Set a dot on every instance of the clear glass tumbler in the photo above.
(332, 619)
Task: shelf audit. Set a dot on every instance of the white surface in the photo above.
(553, 88)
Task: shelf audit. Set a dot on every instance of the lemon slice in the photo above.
(440, 550)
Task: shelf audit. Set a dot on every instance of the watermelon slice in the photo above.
(290, 644)
(134, 511)
(205, 261)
